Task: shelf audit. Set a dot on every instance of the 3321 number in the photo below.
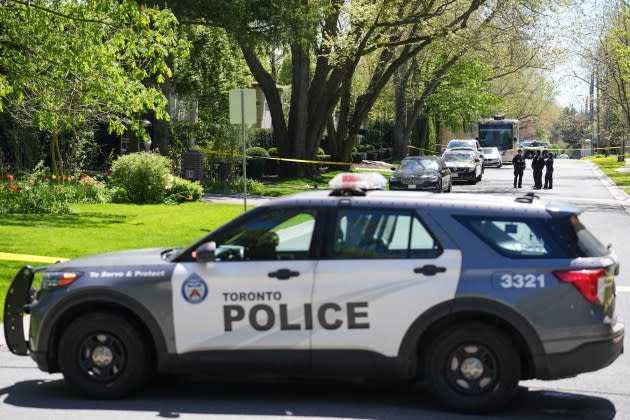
(520, 281)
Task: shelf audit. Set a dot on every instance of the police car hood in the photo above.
(148, 256)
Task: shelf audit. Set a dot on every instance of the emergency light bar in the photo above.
(358, 181)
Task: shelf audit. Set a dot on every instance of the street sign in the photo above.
(243, 111)
(243, 106)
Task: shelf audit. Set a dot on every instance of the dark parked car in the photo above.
(530, 146)
(465, 165)
(421, 173)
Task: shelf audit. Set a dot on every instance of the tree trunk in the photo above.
(56, 161)
(399, 141)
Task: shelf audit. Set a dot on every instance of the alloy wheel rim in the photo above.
(102, 357)
(472, 369)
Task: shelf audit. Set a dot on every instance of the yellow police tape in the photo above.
(425, 150)
(30, 258)
(322, 162)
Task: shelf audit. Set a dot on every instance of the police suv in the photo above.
(466, 294)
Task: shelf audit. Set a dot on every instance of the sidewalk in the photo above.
(234, 199)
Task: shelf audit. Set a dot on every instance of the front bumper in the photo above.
(18, 297)
(586, 358)
(424, 186)
(463, 175)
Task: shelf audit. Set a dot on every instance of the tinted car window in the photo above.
(272, 235)
(586, 242)
(381, 234)
(517, 237)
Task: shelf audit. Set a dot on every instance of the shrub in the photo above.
(273, 151)
(181, 190)
(262, 137)
(257, 151)
(32, 197)
(235, 186)
(144, 176)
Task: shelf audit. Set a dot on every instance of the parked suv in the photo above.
(471, 143)
(469, 294)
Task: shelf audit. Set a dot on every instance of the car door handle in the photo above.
(429, 270)
(283, 274)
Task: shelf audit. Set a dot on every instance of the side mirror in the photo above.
(393, 168)
(205, 252)
(477, 160)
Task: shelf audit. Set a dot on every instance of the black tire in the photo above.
(500, 164)
(493, 368)
(126, 360)
(473, 181)
(450, 186)
(438, 186)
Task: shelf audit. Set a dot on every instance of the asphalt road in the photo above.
(27, 393)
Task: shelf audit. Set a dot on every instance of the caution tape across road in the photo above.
(30, 258)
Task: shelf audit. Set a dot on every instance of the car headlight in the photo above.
(470, 168)
(53, 279)
(394, 178)
(429, 177)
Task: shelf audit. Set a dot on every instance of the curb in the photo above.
(616, 191)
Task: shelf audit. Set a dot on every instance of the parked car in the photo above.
(492, 157)
(421, 173)
(471, 143)
(468, 293)
(530, 146)
(563, 156)
(465, 165)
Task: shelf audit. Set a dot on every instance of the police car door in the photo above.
(383, 270)
(253, 296)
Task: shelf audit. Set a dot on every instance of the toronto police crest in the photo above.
(194, 289)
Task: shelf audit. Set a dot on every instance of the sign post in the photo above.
(243, 111)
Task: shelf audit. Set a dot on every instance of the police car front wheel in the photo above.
(103, 355)
(472, 368)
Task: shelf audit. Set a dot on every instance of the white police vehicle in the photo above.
(467, 294)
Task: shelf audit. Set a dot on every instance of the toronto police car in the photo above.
(466, 294)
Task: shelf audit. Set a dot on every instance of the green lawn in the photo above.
(609, 165)
(95, 228)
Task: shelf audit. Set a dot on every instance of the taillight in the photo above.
(588, 282)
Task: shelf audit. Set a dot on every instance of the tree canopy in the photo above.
(70, 63)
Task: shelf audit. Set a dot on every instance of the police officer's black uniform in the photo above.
(549, 172)
(538, 163)
(518, 163)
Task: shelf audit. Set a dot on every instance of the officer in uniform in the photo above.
(538, 163)
(549, 172)
(518, 163)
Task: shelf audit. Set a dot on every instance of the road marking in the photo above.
(30, 258)
(623, 288)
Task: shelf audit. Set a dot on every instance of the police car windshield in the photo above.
(417, 164)
(458, 157)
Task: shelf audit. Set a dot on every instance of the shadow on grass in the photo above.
(83, 220)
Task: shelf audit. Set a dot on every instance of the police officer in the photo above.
(549, 172)
(518, 163)
(538, 163)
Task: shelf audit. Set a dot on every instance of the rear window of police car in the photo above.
(562, 237)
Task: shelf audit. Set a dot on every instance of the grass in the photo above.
(96, 228)
(609, 166)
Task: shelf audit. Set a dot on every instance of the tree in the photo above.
(69, 64)
(333, 36)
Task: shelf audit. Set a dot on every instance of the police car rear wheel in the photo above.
(102, 355)
(472, 368)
